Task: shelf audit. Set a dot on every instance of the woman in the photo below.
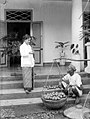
(27, 63)
(72, 83)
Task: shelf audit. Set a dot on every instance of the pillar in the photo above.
(2, 16)
(76, 29)
(87, 69)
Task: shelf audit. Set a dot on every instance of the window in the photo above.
(18, 15)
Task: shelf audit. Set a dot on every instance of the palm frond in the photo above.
(66, 45)
(61, 44)
(58, 46)
(66, 42)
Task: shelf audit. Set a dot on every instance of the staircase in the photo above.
(12, 93)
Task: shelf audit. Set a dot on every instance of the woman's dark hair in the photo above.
(26, 36)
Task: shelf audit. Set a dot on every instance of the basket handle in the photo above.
(47, 79)
(45, 86)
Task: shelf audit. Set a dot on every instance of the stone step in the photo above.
(6, 94)
(86, 80)
(36, 92)
(19, 93)
(86, 89)
(19, 83)
(32, 101)
(83, 74)
(18, 76)
(24, 101)
(37, 77)
(37, 83)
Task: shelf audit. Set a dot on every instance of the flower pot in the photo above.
(62, 61)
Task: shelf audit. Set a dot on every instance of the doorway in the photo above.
(21, 22)
(20, 29)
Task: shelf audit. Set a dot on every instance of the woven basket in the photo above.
(54, 104)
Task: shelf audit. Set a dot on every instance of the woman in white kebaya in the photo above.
(27, 63)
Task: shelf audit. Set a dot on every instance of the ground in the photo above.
(33, 112)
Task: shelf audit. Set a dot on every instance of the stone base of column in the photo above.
(76, 63)
(87, 69)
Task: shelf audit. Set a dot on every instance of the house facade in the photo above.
(48, 21)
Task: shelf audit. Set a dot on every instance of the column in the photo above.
(76, 29)
(2, 16)
(87, 69)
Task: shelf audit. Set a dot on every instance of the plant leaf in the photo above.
(58, 46)
(66, 42)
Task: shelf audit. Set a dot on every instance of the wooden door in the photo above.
(3, 32)
(38, 48)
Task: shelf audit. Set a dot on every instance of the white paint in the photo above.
(24, 101)
(2, 7)
(56, 17)
(10, 82)
(21, 90)
(17, 82)
(17, 91)
(77, 29)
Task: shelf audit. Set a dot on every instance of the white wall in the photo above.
(57, 27)
(56, 17)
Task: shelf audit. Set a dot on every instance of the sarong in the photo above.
(79, 91)
(27, 77)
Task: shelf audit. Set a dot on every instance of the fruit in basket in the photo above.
(54, 96)
(52, 87)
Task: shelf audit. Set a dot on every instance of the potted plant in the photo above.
(11, 45)
(62, 46)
